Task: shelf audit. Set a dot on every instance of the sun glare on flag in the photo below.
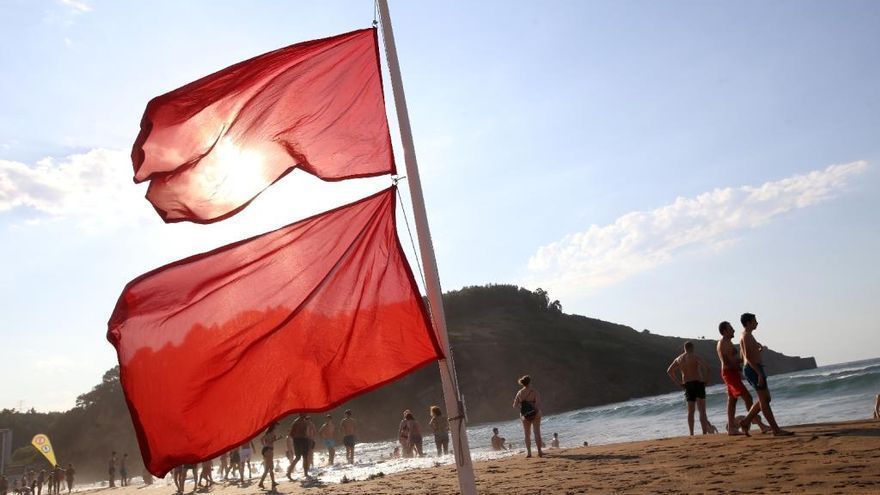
(232, 172)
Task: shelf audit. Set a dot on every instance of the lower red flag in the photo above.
(215, 347)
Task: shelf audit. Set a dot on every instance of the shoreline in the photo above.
(836, 457)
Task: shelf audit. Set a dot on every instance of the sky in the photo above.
(664, 165)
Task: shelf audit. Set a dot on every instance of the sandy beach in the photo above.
(825, 458)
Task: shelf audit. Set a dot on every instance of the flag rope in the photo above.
(412, 241)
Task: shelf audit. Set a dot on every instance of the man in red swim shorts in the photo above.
(731, 373)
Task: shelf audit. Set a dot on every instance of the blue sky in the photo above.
(664, 165)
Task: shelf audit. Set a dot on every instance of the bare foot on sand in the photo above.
(744, 426)
(782, 433)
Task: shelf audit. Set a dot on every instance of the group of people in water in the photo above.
(31, 482)
(691, 373)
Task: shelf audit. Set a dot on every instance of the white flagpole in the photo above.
(451, 395)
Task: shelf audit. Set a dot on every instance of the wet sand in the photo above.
(826, 458)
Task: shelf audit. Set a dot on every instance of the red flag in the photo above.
(213, 145)
(215, 347)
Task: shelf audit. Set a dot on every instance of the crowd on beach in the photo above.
(688, 370)
(33, 482)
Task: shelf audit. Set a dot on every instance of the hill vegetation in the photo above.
(498, 333)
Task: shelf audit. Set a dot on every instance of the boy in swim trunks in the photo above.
(327, 432)
(731, 374)
(694, 373)
(754, 372)
(349, 432)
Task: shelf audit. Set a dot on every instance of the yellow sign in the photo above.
(41, 442)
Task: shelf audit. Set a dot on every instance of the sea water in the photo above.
(837, 392)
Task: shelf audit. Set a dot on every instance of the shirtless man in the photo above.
(694, 376)
(111, 469)
(754, 371)
(299, 432)
(877, 407)
(497, 441)
(327, 432)
(731, 374)
(349, 432)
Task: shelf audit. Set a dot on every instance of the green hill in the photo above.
(498, 333)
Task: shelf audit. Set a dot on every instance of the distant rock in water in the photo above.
(498, 333)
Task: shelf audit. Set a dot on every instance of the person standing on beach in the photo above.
(68, 475)
(403, 436)
(235, 464)
(877, 407)
(327, 432)
(528, 401)
(111, 469)
(757, 377)
(440, 427)
(731, 374)
(349, 432)
(694, 372)
(57, 475)
(123, 470)
(415, 434)
(268, 453)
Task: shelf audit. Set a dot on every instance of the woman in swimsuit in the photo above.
(528, 402)
(440, 427)
(403, 436)
(268, 451)
(415, 434)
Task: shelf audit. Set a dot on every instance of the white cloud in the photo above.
(79, 7)
(641, 240)
(95, 188)
(95, 191)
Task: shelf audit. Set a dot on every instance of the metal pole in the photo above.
(451, 396)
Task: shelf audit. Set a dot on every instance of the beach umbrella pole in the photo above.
(451, 394)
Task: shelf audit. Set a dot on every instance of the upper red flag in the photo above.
(215, 347)
(213, 145)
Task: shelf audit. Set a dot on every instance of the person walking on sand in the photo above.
(111, 469)
(694, 376)
(528, 401)
(731, 374)
(205, 475)
(327, 432)
(268, 452)
(877, 407)
(757, 377)
(246, 452)
(440, 427)
(497, 440)
(224, 466)
(349, 432)
(299, 432)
